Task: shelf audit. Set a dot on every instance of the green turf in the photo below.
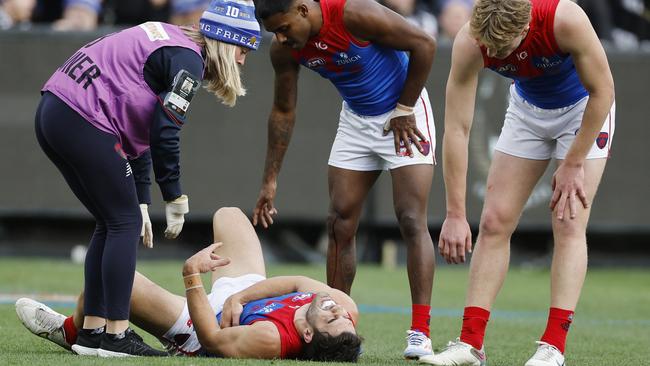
(612, 326)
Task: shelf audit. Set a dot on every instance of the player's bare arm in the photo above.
(367, 20)
(280, 127)
(466, 63)
(258, 340)
(203, 317)
(278, 286)
(576, 36)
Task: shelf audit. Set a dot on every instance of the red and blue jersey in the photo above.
(544, 76)
(370, 78)
(280, 311)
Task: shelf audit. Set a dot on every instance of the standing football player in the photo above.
(562, 108)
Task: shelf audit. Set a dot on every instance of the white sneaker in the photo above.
(42, 321)
(546, 355)
(457, 353)
(417, 345)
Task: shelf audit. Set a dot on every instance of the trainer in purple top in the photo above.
(110, 111)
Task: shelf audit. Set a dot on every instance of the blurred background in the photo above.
(223, 150)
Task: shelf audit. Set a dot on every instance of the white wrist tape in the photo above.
(180, 205)
(400, 111)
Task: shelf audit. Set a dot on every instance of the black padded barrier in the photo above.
(223, 149)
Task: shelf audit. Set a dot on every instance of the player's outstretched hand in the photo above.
(567, 184)
(455, 240)
(231, 311)
(205, 260)
(264, 210)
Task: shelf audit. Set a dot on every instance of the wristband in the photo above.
(193, 287)
(404, 108)
(192, 281)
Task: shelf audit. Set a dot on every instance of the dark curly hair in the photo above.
(344, 347)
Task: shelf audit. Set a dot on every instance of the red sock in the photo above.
(559, 321)
(474, 322)
(70, 330)
(421, 316)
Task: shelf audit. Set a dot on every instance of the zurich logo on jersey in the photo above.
(344, 59)
(270, 308)
(547, 63)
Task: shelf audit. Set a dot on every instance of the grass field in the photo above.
(612, 325)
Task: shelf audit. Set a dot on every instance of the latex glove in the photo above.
(175, 214)
(146, 234)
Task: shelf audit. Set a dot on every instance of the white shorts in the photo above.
(360, 144)
(181, 337)
(534, 133)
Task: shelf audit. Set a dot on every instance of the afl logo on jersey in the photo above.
(506, 69)
(315, 62)
(320, 45)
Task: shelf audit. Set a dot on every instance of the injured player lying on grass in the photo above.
(245, 315)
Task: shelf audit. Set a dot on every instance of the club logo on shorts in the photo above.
(601, 140)
(426, 146)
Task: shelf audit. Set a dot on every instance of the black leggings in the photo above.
(100, 177)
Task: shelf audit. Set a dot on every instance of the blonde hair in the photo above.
(222, 73)
(495, 23)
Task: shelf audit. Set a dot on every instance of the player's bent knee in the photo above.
(410, 224)
(225, 212)
(568, 229)
(340, 229)
(493, 223)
